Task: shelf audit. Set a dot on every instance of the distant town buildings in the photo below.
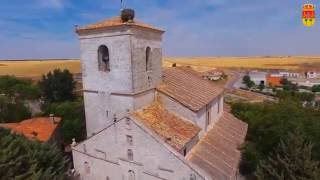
(213, 75)
(273, 78)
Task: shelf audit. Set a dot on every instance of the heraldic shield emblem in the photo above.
(308, 15)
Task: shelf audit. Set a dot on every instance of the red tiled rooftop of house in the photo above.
(171, 128)
(188, 87)
(217, 152)
(115, 22)
(40, 128)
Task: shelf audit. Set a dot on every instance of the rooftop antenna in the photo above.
(122, 5)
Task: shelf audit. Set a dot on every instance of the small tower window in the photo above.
(193, 177)
(148, 59)
(128, 124)
(86, 168)
(130, 155)
(131, 175)
(103, 58)
(129, 140)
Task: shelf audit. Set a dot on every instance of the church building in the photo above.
(145, 122)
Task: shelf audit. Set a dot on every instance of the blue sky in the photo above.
(45, 28)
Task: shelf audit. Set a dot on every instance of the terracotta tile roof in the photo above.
(188, 87)
(40, 128)
(217, 152)
(115, 22)
(171, 128)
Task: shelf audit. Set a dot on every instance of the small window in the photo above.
(193, 177)
(84, 148)
(130, 155)
(128, 124)
(219, 101)
(129, 140)
(86, 168)
(208, 117)
(184, 151)
(103, 58)
(131, 175)
(148, 59)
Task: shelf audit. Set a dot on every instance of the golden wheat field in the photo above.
(35, 68)
(280, 62)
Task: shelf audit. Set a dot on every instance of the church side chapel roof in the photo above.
(40, 128)
(115, 22)
(217, 152)
(172, 129)
(188, 87)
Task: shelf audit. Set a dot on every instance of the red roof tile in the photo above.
(188, 87)
(40, 128)
(217, 152)
(115, 22)
(171, 128)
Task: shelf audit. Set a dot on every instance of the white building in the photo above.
(258, 77)
(145, 123)
(289, 74)
(312, 74)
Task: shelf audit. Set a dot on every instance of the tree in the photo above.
(306, 96)
(291, 160)
(24, 159)
(296, 96)
(316, 88)
(18, 89)
(288, 85)
(57, 86)
(247, 81)
(268, 123)
(73, 119)
(12, 112)
(261, 86)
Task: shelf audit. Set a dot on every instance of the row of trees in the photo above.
(14, 93)
(270, 146)
(24, 159)
(316, 88)
(55, 91)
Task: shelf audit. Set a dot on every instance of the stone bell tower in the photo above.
(121, 66)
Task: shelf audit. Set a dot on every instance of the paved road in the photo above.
(236, 76)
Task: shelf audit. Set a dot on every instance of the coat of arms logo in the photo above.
(308, 15)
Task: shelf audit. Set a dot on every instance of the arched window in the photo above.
(86, 167)
(192, 177)
(130, 155)
(148, 59)
(131, 175)
(103, 58)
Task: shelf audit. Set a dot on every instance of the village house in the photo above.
(148, 123)
(43, 129)
(289, 74)
(274, 80)
(213, 75)
(258, 77)
(312, 74)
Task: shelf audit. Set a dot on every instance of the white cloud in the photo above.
(56, 4)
